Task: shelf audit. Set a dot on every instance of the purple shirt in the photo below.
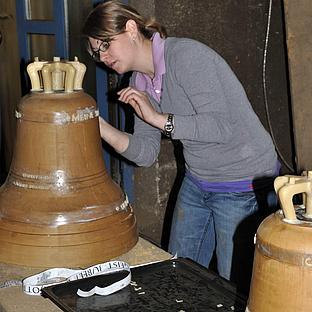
(231, 186)
(143, 82)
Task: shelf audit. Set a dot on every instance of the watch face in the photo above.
(169, 127)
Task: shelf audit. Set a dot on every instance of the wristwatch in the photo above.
(169, 126)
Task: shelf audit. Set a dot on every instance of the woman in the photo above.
(184, 89)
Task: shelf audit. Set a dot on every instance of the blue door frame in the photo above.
(57, 27)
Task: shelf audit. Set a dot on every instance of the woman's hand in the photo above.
(142, 106)
(114, 137)
(102, 124)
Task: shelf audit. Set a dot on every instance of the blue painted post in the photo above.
(126, 170)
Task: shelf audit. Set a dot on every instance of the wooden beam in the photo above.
(10, 87)
(298, 17)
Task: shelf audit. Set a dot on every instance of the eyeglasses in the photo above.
(103, 47)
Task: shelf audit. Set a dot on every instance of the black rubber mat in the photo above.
(178, 285)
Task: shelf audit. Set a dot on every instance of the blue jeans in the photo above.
(206, 221)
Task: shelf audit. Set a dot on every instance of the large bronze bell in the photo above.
(58, 206)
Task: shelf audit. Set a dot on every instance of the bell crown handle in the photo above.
(53, 77)
(80, 72)
(288, 186)
(33, 72)
(56, 76)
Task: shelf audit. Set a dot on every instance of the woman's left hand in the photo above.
(142, 106)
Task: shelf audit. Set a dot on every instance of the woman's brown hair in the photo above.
(109, 19)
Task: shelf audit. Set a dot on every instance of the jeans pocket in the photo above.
(244, 195)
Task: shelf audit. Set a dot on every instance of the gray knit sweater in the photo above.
(222, 137)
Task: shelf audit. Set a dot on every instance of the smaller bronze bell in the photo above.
(58, 206)
(282, 268)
